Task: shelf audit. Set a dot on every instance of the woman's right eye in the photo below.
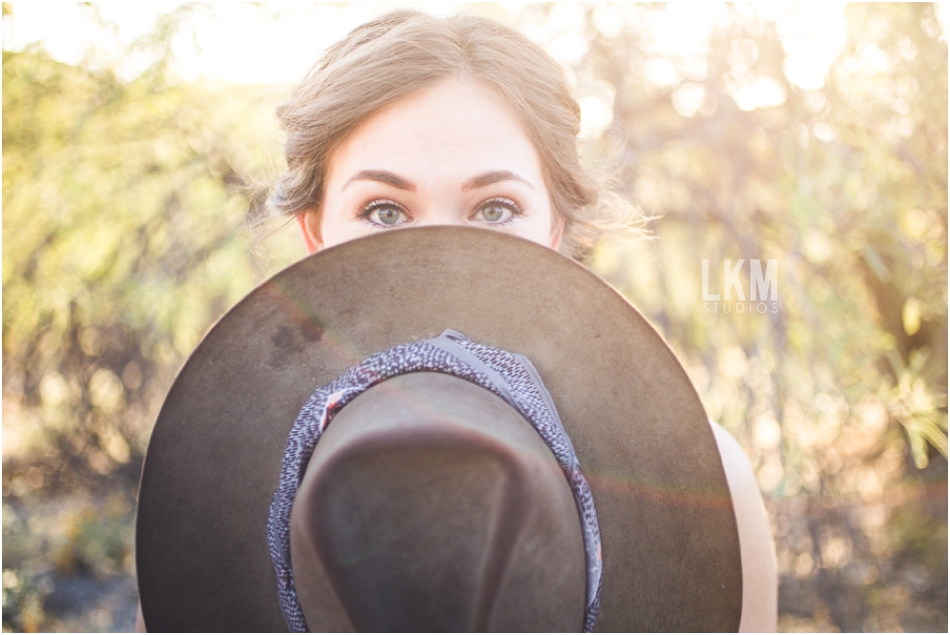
(384, 214)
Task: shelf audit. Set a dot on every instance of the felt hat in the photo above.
(669, 540)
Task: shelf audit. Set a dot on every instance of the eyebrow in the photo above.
(389, 178)
(381, 176)
(494, 177)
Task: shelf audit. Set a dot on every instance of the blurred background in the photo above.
(139, 137)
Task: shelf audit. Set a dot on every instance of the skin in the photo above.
(455, 154)
(452, 154)
(759, 569)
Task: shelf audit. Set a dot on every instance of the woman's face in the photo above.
(452, 154)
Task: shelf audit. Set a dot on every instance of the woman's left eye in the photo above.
(497, 211)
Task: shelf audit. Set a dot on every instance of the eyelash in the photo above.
(511, 205)
(372, 206)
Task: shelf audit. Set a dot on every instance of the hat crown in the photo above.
(432, 505)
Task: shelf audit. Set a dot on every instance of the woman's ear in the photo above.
(307, 222)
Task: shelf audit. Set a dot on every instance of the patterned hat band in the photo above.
(510, 376)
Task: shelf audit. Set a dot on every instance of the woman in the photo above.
(411, 121)
(464, 92)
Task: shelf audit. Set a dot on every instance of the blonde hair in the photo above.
(405, 51)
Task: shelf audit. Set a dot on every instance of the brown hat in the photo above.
(670, 545)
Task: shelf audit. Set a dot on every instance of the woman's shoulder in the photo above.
(759, 572)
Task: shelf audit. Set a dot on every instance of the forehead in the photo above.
(455, 127)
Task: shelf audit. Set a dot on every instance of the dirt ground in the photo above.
(68, 562)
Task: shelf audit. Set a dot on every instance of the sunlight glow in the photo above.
(683, 29)
(262, 43)
(759, 92)
(688, 98)
(275, 43)
(813, 36)
(597, 110)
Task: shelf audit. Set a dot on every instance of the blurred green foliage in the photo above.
(124, 211)
(123, 205)
(840, 396)
(845, 186)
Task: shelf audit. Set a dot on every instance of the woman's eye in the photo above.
(384, 213)
(497, 211)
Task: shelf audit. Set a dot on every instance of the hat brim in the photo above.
(670, 543)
